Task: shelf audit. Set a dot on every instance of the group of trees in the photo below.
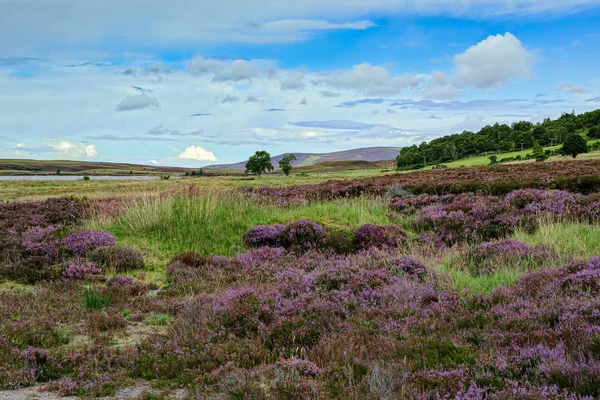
(501, 138)
(260, 162)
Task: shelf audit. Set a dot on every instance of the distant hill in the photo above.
(369, 154)
(24, 167)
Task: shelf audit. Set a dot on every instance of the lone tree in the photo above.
(286, 163)
(259, 163)
(538, 152)
(573, 146)
(493, 160)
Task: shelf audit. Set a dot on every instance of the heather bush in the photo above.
(126, 284)
(304, 235)
(117, 258)
(81, 270)
(264, 235)
(31, 270)
(380, 237)
(188, 267)
(489, 257)
(468, 219)
(412, 267)
(82, 242)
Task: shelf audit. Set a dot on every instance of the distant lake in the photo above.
(77, 178)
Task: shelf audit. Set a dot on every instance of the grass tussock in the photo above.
(215, 224)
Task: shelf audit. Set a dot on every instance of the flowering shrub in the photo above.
(264, 235)
(126, 284)
(468, 219)
(82, 270)
(412, 267)
(304, 235)
(380, 237)
(187, 267)
(576, 176)
(117, 258)
(82, 242)
(490, 256)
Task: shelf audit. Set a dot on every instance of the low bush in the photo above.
(81, 270)
(264, 235)
(380, 237)
(117, 258)
(32, 270)
(304, 235)
(82, 242)
(98, 321)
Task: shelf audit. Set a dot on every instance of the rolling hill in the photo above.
(368, 154)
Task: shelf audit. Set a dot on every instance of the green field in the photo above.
(484, 160)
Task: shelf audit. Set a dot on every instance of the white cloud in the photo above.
(137, 102)
(184, 22)
(65, 148)
(471, 123)
(293, 81)
(200, 65)
(240, 70)
(197, 153)
(234, 71)
(307, 24)
(370, 79)
(492, 62)
(440, 87)
(572, 88)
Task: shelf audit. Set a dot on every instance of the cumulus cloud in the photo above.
(197, 153)
(471, 123)
(440, 87)
(370, 79)
(492, 62)
(65, 148)
(240, 70)
(137, 102)
(293, 81)
(234, 71)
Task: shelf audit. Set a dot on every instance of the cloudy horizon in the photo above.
(174, 83)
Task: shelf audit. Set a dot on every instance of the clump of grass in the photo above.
(215, 224)
(95, 300)
(566, 238)
(157, 319)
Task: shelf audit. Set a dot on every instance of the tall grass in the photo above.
(567, 238)
(214, 223)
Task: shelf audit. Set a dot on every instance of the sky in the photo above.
(194, 83)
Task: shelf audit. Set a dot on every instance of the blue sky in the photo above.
(176, 83)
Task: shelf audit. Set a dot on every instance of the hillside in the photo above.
(24, 167)
(499, 139)
(368, 154)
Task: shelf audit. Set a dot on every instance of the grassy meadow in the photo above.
(246, 288)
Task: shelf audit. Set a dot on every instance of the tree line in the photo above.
(501, 138)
